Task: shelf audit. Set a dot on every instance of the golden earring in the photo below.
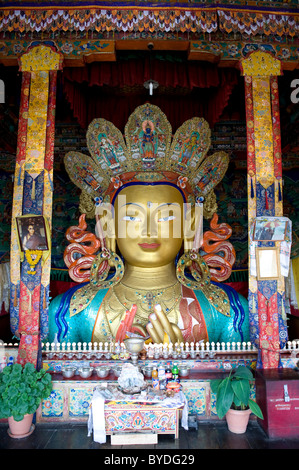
(198, 269)
(101, 266)
(200, 280)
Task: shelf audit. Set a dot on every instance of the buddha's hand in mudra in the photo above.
(159, 325)
(156, 328)
(127, 325)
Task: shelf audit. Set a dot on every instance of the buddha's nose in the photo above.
(149, 227)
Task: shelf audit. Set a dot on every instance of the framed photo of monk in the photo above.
(32, 233)
(270, 229)
(267, 263)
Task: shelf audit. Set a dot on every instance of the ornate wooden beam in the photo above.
(78, 53)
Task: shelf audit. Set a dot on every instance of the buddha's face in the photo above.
(149, 224)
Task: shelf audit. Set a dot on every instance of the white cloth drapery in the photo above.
(96, 419)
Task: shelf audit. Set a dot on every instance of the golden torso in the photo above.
(121, 297)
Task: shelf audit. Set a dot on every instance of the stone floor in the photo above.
(207, 436)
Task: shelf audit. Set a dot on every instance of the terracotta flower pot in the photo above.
(237, 420)
(22, 428)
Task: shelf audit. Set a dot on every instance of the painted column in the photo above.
(264, 173)
(33, 194)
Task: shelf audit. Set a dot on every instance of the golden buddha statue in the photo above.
(149, 269)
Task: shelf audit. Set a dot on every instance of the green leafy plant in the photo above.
(22, 389)
(234, 391)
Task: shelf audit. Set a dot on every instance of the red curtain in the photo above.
(294, 311)
(112, 90)
(240, 287)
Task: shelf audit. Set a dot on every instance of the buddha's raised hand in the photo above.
(159, 325)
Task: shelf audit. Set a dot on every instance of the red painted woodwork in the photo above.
(281, 417)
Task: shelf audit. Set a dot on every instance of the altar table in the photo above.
(115, 412)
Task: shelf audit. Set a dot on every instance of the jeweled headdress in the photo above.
(147, 153)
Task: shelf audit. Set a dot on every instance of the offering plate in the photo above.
(132, 390)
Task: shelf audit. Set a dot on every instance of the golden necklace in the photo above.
(145, 300)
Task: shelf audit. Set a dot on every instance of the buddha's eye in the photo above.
(131, 218)
(166, 218)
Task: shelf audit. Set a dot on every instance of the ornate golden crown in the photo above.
(147, 154)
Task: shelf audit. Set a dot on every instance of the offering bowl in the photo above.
(85, 372)
(147, 371)
(68, 371)
(102, 371)
(134, 346)
(117, 371)
(183, 370)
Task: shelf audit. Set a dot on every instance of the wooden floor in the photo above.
(207, 436)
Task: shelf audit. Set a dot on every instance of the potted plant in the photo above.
(21, 390)
(232, 399)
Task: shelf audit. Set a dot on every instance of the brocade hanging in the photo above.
(127, 18)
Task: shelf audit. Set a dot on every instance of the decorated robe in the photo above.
(197, 318)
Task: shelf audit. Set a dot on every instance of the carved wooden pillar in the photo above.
(264, 167)
(33, 194)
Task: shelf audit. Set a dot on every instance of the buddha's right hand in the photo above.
(159, 325)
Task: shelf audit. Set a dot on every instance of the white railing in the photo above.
(182, 350)
(8, 345)
(187, 347)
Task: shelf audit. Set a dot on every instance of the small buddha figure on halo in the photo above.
(150, 269)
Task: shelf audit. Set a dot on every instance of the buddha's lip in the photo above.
(150, 246)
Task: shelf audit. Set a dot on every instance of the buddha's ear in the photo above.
(193, 230)
(105, 226)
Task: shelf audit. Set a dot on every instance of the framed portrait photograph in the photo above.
(267, 263)
(32, 233)
(269, 229)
